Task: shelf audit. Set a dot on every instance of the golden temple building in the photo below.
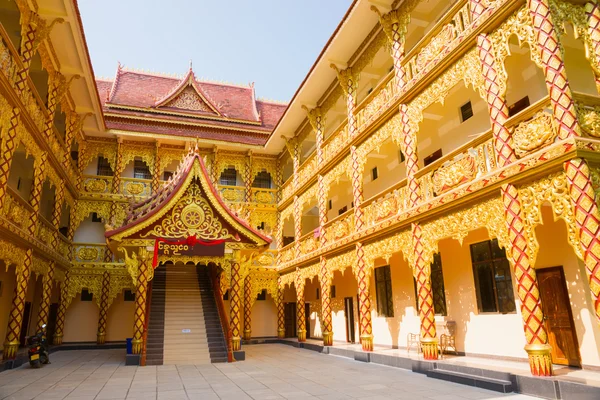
(432, 186)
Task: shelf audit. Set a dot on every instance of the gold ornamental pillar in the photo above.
(297, 225)
(325, 280)
(62, 310)
(101, 336)
(300, 306)
(561, 98)
(280, 310)
(144, 275)
(422, 273)
(156, 170)
(15, 318)
(592, 12)
(47, 284)
(317, 120)
(363, 277)
(248, 307)
(39, 175)
(235, 305)
(538, 349)
(248, 179)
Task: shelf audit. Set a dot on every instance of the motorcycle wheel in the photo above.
(35, 364)
(44, 359)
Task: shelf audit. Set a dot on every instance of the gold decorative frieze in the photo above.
(453, 174)
(534, 134)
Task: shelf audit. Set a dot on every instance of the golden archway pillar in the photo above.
(325, 280)
(422, 272)
(145, 274)
(248, 178)
(156, 170)
(36, 191)
(551, 56)
(592, 12)
(587, 220)
(495, 89)
(103, 315)
(15, 318)
(300, 306)
(47, 284)
(297, 225)
(116, 181)
(248, 301)
(62, 310)
(538, 349)
(477, 8)
(235, 304)
(280, 310)
(394, 25)
(363, 277)
(317, 121)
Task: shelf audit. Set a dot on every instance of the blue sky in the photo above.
(270, 42)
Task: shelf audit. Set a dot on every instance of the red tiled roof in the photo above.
(146, 97)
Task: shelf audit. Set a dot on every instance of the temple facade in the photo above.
(433, 185)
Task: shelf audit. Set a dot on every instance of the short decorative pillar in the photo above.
(363, 276)
(587, 219)
(235, 306)
(101, 337)
(280, 310)
(248, 307)
(46, 297)
(325, 279)
(422, 273)
(300, 306)
(538, 349)
(62, 310)
(15, 318)
(139, 324)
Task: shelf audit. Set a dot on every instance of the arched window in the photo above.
(262, 180)
(228, 177)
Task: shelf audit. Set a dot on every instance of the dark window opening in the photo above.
(437, 286)
(226, 295)
(401, 156)
(333, 291)
(518, 106)
(436, 155)
(229, 177)
(342, 210)
(104, 168)
(493, 282)
(64, 230)
(287, 240)
(262, 180)
(318, 294)
(330, 204)
(86, 295)
(466, 111)
(141, 170)
(383, 290)
(167, 175)
(261, 227)
(262, 295)
(96, 218)
(75, 155)
(128, 295)
(374, 173)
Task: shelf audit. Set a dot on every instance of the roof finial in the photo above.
(190, 64)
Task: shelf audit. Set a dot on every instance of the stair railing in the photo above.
(214, 280)
(146, 321)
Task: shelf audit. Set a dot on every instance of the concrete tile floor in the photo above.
(271, 371)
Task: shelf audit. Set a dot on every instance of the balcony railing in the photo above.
(232, 194)
(97, 184)
(264, 196)
(63, 246)
(136, 187)
(378, 102)
(287, 253)
(340, 227)
(44, 230)
(89, 252)
(16, 209)
(309, 243)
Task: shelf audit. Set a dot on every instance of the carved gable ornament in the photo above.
(188, 96)
(190, 100)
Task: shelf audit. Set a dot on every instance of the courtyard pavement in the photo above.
(271, 371)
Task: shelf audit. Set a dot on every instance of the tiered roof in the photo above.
(151, 103)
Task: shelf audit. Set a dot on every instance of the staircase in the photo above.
(217, 346)
(156, 324)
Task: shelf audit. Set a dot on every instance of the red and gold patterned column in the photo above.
(477, 8)
(101, 336)
(46, 297)
(297, 225)
(235, 305)
(322, 203)
(540, 357)
(394, 25)
(62, 310)
(409, 148)
(59, 197)
(116, 182)
(357, 188)
(139, 316)
(39, 175)
(248, 307)
(349, 82)
(156, 170)
(248, 179)
(592, 12)
(15, 318)
(363, 277)
(422, 273)
(300, 306)
(280, 310)
(496, 99)
(7, 149)
(325, 280)
(72, 122)
(561, 97)
(587, 219)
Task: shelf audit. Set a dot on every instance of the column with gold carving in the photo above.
(297, 225)
(235, 305)
(103, 315)
(15, 318)
(422, 273)
(63, 303)
(44, 310)
(363, 278)
(248, 301)
(552, 58)
(280, 310)
(325, 280)
(145, 274)
(592, 12)
(300, 306)
(156, 170)
(538, 349)
(248, 179)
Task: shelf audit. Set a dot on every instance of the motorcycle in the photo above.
(38, 349)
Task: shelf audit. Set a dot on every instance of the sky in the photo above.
(272, 43)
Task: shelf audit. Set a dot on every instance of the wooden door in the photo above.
(349, 316)
(290, 320)
(307, 318)
(558, 316)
